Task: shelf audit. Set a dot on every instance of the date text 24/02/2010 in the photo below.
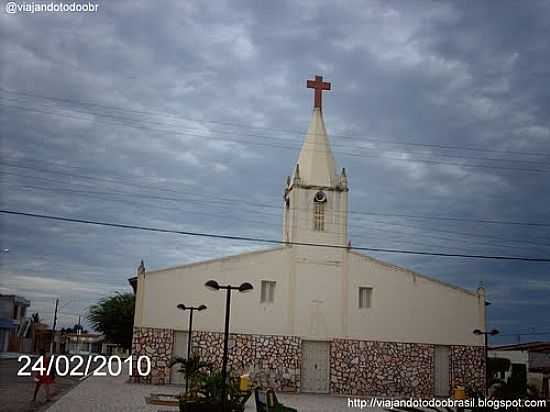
(78, 365)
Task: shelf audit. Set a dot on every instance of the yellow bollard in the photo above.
(459, 393)
(245, 383)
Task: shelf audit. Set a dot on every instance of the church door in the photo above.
(441, 371)
(179, 350)
(315, 366)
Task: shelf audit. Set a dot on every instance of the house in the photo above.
(83, 343)
(535, 358)
(323, 319)
(13, 310)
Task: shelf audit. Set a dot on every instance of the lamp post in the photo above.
(191, 309)
(485, 336)
(244, 287)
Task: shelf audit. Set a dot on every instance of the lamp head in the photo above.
(494, 332)
(245, 287)
(212, 284)
(181, 306)
(201, 307)
(478, 332)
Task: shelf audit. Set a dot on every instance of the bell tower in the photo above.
(315, 196)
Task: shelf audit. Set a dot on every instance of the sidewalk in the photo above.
(108, 394)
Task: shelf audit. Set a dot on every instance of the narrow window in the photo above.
(319, 202)
(268, 291)
(365, 297)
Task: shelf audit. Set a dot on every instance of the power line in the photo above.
(141, 112)
(264, 240)
(225, 132)
(525, 333)
(222, 202)
(212, 201)
(367, 213)
(256, 143)
(278, 225)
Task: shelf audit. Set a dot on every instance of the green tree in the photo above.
(114, 317)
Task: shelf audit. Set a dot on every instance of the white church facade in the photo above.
(320, 319)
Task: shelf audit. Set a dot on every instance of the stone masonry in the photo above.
(274, 361)
(157, 344)
(467, 366)
(362, 368)
(390, 369)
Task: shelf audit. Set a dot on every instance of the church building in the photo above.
(319, 319)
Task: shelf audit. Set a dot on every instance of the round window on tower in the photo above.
(320, 197)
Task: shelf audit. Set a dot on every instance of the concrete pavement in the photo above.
(108, 393)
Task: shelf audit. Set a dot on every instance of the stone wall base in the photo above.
(158, 345)
(356, 367)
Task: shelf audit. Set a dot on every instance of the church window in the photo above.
(319, 203)
(268, 291)
(365, 297)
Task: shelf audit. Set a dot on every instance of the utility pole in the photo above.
(52, 343)
(78, 336)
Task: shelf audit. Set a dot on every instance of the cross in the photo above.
(319, 85)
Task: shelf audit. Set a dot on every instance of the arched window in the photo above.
(319, 204)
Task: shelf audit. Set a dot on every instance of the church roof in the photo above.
(315, 163)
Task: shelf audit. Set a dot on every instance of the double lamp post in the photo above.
(191, 309)
(213, 285)
(485, 336)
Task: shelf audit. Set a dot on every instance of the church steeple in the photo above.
(316, 195)
(316, 163)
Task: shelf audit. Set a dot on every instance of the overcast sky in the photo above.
(189, 115)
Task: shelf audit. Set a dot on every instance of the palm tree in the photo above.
(193, 370)
(114, 317)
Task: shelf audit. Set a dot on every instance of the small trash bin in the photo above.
(459, 393)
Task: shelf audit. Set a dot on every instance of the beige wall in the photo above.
(411, 308)
(159, 292)
(316, 297)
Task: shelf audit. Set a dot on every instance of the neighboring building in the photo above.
(319, 319)
(13, 310)
(536, 358)
(83, 343)
(112, 349)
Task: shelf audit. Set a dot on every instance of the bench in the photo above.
(266, 401)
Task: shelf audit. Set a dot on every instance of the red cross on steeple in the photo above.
(319, 85)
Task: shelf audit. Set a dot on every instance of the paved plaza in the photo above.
(116, 394)
(16, 391)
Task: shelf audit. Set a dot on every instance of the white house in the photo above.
(534, 356)
(320, 319)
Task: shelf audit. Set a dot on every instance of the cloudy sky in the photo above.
(190, 115)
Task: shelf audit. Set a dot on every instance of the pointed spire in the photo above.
(317, 165)
(141, 269)
(343, 178)
(296, 175)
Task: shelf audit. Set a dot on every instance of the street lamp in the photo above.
(485, 335)
(191, 309)
(244, 287)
